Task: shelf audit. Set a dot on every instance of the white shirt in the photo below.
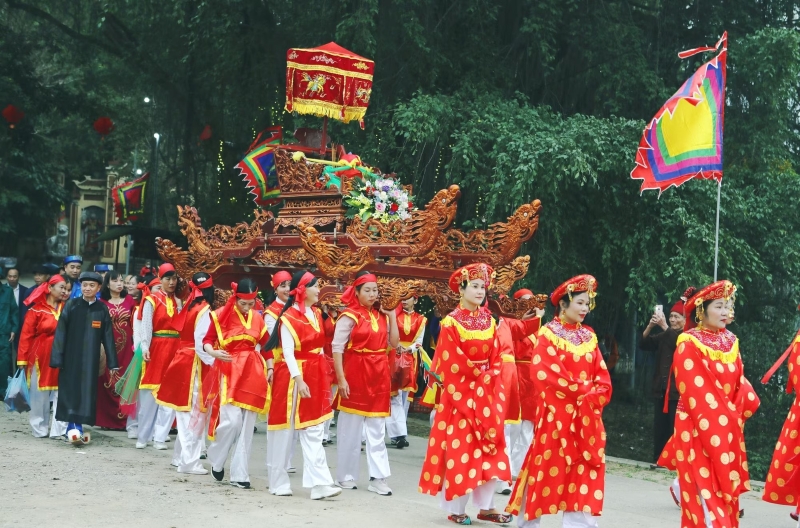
(200, 330)
(16, 294)
(271, 321)
(341, 334)
(146, 324)
(287, 343)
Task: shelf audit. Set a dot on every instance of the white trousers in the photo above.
(570, 520)
(518, 440)
(146, 411)
(188, 444)
(154, 421)
(350, 427)
(482, 498)
(165, 417)
(235, 427)
(280, 445)
(676, 488)
(39, 416)
(326, 435)
(396, 423)
(132, 425)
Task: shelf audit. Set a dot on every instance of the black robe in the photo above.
(82, 328)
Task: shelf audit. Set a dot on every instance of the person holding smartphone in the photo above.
(663, 345)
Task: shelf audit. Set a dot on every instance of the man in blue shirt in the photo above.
(72, 269)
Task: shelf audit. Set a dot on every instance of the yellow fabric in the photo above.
(563, 344)
(719, 355)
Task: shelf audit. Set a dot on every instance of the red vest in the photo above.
(177, 383)
(309, 340)
(366, 364)
(165, 340)
(404, 372)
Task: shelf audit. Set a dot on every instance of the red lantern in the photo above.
(205, 135)
(103, 126)
(13, 115)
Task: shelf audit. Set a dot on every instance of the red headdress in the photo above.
(522, 293)
(280, 277)
(299, 293)
(41, 290)
(478, 270)
(578, 284)
(679, 306)
(693, 308)
(349, 295)
(227, 310)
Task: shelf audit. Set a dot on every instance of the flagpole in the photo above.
(716, 238)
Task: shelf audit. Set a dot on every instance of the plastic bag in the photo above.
(403, 374)
(17, 398)
(128, 385)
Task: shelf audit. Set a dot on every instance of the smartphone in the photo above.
(659, 309)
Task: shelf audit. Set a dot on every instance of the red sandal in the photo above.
(497, 518)
(460, 519)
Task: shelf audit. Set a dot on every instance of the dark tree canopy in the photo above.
(512, 100)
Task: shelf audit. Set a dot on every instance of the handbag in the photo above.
(17, 398)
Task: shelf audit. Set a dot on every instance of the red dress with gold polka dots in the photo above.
(783, 479)
(707, 448)
(466, 447)
(564, 469)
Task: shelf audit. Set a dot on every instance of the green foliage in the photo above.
(514, 101)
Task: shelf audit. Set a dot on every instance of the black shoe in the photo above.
(401, 442)
(203, 456)
(173, 431)
(218, 475)
(255, 429)
(242, 485)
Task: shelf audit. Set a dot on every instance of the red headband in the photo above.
(349, 295)
(165, 268)
(196, 290)
(280, 277)
(42, 290)
(299, 293)
(522, 293)
(243, 296)
(227, 310)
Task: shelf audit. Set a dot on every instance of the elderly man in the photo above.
(83, 327)
(663, 344)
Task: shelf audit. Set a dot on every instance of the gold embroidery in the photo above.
(563, 344)
(465, 334)
(719, 355)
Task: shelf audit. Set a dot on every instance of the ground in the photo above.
(109, 483)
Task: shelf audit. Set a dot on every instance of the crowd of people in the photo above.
(517, 404)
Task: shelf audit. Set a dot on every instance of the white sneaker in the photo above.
(324, 492)
(283, 493)
(501, 487)
(161, 446)
(168, 439)
(133, 434)
(347, 484)
(291, 469)
(194, 471)
(141, 445)
(379, 486)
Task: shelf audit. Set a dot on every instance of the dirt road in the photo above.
(46, 482)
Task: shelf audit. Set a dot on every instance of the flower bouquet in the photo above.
(380, 198)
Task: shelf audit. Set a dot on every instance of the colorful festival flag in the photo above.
(129, 199)
(258, 168)
(684, 139)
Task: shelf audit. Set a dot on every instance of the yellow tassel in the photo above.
(718, 355)
(563, 344)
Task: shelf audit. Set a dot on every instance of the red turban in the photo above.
(349, 295)
(42, 290)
